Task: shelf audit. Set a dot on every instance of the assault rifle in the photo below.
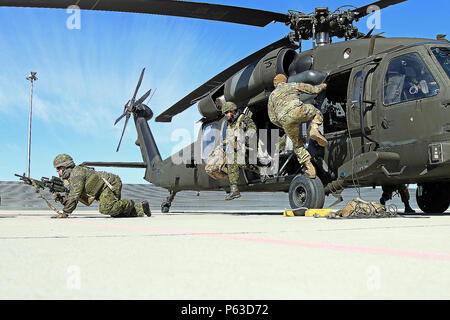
(54, 185)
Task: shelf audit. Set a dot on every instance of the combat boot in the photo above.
(408, 208)
(234, 194)
(146, 208)
(309, 169)
(138, 210)
(315, 135)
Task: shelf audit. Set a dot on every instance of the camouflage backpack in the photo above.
(216, 166)
(361, 208)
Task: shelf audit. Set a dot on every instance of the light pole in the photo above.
(31, 78)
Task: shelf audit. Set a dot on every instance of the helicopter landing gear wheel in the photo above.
(165, 206)
(433, 198)
(306, 192)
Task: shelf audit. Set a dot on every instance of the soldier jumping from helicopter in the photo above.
(287, 111)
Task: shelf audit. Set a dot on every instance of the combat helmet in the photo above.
(228, 106)
(278, 79)
(63, 160)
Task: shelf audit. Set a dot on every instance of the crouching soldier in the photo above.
(86, 185)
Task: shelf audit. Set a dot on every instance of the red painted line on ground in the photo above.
(313, 245)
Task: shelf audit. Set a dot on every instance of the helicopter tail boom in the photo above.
(147, 144)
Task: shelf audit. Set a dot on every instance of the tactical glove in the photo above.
(59, 198)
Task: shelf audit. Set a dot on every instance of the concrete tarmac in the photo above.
(223, 255)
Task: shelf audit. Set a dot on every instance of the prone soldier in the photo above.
(86, 185)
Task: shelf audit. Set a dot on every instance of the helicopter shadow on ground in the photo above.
(20, 214)
(259, 213)
(49, 215)
(256, 213)
(422, 215)
(234, 213)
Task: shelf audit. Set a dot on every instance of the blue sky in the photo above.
(86, 75)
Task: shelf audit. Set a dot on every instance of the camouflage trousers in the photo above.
(290, 117)
(112, 204)
(234, 170)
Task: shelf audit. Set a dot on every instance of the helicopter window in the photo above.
(408, 78)
(333, 106)
(442, 55)
(208, 138)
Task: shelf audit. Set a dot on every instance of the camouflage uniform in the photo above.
(287, 111)
(86, 185)
(243, 124)
(237, 129)
(402, 190)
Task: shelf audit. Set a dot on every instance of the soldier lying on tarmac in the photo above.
(86, 185)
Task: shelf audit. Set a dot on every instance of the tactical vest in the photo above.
(95, 184)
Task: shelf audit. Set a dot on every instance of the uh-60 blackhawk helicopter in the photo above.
(386, 107)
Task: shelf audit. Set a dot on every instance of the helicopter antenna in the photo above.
(152, 95)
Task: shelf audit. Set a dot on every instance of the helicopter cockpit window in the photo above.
(408, 78)
(442, 55)
(208, 138)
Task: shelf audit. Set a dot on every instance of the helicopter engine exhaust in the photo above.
(259, 75)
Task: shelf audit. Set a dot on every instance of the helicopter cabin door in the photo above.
(408, 85)
(359, 95)
(411, 112)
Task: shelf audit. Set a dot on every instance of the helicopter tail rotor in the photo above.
(131, 106)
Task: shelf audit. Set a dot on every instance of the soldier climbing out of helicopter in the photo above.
(287, 111)
(240, 130)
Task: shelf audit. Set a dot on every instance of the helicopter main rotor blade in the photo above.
(188, 9)
(363, 11)
(220, 78)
